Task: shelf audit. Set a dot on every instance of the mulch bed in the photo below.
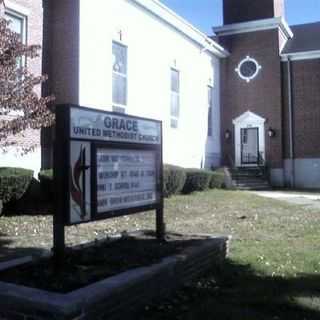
(97, 262)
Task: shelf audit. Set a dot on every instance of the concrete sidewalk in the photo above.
(293, 197)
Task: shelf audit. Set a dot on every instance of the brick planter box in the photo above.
(117, 297)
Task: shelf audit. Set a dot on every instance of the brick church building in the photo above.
(246, 96)
(270, 92)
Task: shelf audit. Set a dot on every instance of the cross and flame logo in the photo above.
(78, 181)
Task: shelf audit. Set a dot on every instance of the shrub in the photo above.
(14, 182)
(173, 180)
(197, 180)
(46, 181)
(217, 179)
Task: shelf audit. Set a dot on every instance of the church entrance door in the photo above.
(249, 130)
(250, 146)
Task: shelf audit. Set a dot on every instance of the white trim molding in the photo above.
(242, 76)
(305, 55)
(13, 6)
(156, 8)
(257, 25)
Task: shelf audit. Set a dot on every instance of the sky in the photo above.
(204, 14)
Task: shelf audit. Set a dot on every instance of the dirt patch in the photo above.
(89, 265)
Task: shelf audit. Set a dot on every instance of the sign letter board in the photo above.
(106, 165)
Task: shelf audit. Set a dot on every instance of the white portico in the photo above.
(249, 129)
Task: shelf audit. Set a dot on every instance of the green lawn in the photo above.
(274, 263)
(272, 271)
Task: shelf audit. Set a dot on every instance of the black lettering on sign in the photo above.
(101, 187)
(122, 186)
(102, 202)
(103, 158)
(150, 173)
(120, 124)
(124, 174)
(135, 185)
(117, 200)
(108, 175)
(134, 174)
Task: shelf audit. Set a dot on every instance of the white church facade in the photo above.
(140, 58)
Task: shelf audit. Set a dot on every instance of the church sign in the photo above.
(106, 165)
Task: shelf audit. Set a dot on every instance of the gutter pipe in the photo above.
(291, 124)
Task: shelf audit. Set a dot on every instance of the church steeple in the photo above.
(236, 11)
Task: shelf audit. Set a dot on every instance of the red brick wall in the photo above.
(262, 95)
(62, 49)
(248, 10)
(306, 108)
(34, 36)
(61, 61)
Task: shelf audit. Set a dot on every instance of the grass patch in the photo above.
(274, 266)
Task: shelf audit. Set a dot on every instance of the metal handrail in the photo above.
(262, 165)
(231, 161)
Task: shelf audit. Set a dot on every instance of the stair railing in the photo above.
(231, 161)
(262, 165)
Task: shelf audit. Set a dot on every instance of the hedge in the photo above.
(174, 179)
(197, 180)
(14, 182)
(217, 179)
(46, 181)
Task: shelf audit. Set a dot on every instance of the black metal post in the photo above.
(58, 242)
(60, 152)
(160, 225)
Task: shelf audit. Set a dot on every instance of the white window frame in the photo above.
(246, 59)
(117, 107)
(172, 117)
(24, 34)
(23, 17)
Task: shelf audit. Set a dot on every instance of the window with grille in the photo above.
(119, 76)
(175, 98)
(17, 25)
(210, 106)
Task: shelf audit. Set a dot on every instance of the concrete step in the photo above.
(251, 183)
(260, 188)
(249, 179)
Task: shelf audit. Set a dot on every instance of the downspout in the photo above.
(291, 120)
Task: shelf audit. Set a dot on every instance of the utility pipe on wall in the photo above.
(291, 123)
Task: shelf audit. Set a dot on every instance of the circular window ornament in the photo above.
(248, 69)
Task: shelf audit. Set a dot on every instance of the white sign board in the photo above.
(101, 126)
(125, 179)
(113, 164)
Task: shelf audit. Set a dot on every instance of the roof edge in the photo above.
(256, 25)
(303, 55)
(177, 22)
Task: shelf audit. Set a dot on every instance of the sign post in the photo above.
(106, 165)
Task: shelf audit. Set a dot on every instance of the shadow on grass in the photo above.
(237, 292)
(8, 253)
(28, 207)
